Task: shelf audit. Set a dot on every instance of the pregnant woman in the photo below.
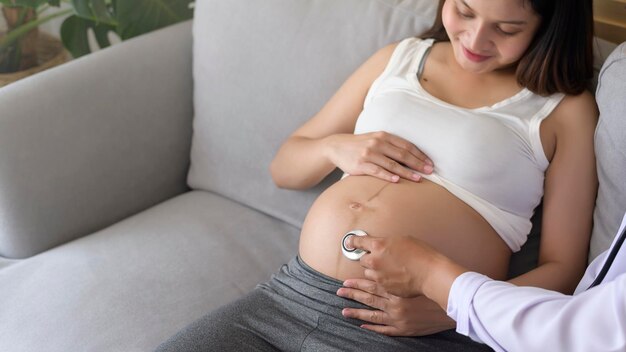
(453, 139)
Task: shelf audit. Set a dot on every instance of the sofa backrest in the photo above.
(610, 145)
(262, 68)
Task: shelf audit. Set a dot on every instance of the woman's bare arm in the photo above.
(327, 141)
(302, 161)
(569, 196)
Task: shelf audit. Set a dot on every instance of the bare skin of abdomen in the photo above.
(423, 210)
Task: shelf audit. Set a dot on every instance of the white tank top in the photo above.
(490, 157)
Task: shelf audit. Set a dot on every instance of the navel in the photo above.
(355, 206)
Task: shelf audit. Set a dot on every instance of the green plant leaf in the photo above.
(17, 33)
(24, 3)
(75, 37)
(137, 17)
(101, 32)
(94, 10)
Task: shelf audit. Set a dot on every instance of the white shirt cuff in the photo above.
(461, 297)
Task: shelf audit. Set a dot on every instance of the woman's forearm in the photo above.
(301, 163)
(442, 272)
(551, 276)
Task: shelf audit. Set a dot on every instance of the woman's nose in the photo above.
(479, 39)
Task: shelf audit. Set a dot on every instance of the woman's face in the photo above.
(488, 35)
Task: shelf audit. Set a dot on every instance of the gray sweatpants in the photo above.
(298, 310)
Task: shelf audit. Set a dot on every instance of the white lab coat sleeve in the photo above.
(511, 318)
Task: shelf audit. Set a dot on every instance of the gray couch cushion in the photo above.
(262, 68)
(107, 136)
(131, 286)
(610, 151)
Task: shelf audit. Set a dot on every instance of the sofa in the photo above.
(135, 194)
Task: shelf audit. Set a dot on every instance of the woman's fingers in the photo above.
(408, 160)
(370, 316)
(378, 154)
(395, 156)
(368, 293)
(374, 169)
(408, 154)
(384, 167)
(392, 315)
(383, 329)
(366, 298)
(366, 285)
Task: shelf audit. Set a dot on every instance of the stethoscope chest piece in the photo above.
(352, 253)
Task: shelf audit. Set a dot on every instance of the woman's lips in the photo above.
(474, 57)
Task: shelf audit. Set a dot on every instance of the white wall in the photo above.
(54, 27)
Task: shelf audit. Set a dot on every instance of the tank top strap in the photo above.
(407, 56)
(423, 50)
(549, 104)
(404, 61)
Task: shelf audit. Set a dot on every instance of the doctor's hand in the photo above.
(406, 267)
(392, 315)
(378, 154)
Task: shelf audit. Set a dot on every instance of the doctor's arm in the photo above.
(504, 316)
(511, 318)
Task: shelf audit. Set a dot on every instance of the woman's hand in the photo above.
(378, 154)
(392, 315)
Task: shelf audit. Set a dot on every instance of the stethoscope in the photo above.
(609, 260)
(349, 252)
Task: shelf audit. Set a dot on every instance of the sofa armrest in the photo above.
(92, 141)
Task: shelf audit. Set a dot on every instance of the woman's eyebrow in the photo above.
(507, 22)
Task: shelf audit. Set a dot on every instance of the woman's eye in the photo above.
(464, 15)
(506, 33)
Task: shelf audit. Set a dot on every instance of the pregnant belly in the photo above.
(422, 210)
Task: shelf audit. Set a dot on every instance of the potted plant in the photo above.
(125, 18)
(24, 50)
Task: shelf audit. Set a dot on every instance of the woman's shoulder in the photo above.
(404, 46)
(576, 114)
(377, 63)
(386, 51)
(578, 107)
(395, 54)
(570, 124)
